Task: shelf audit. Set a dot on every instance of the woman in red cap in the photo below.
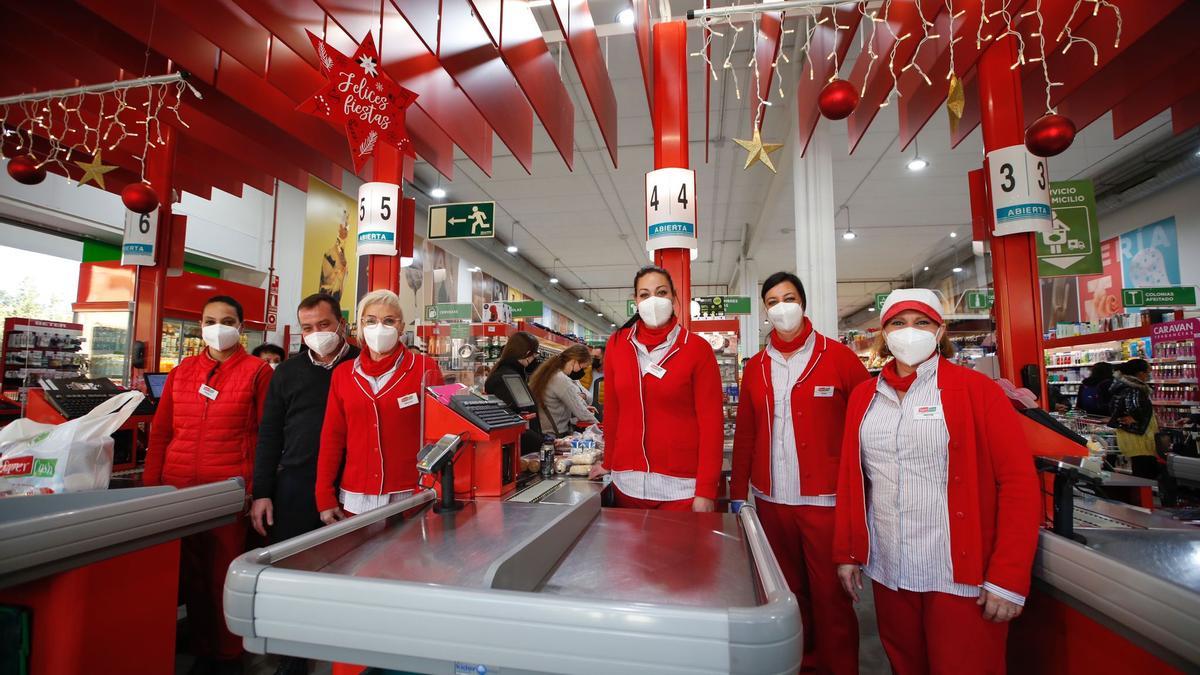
(663, 418)
(938, 501)
(789, 438)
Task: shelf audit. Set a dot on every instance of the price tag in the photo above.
(671, 209)
(1020, 191)
(141, 232)
(378, 212)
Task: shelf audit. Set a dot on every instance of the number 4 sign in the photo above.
(141, 231)
(378, 209)
(1020, 191)
(671, 210)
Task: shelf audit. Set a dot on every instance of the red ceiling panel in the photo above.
(291, 74)
(931, 59)
(575, 21)
(872, 76)
(1158, 93)
(641, 36)
(225, 25)
(766, 50)
(474, 62)
(356, 17)
(171, 35)
(1185, 114)
(422, 15)
(817, 68)
(433, 145)
(287, 20)
(527, 56)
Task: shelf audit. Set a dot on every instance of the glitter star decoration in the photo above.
(759, 151)
(94, 170)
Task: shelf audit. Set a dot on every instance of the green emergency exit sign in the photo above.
(462, 220)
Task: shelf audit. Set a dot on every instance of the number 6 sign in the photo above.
(671, 210)
(141, 231)
(378, 209)
(1020, 191)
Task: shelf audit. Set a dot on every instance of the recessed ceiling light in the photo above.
(625, 16)
(848, 235)
(599, 313)
(917, 163)
(582, 300)
(512, 248)
(612, 325)
(953, 235)
(554, 280)
(870, 309)
(437, 193)
(476, 269)
(956, 270)
(766, 323)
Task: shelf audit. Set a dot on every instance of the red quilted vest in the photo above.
(212, 440)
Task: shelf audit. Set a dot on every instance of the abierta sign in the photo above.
(1072, 246)
(1166, 296)
(462, 220)
(447, 311)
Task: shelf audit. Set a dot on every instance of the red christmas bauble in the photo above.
(838, 99)
(25, 169)
(139, 198)
(1049, 135)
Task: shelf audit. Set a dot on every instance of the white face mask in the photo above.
(219, 336)
(380, 338)
(323, 342)
(656, 311)
(786, 317)
(912, 346)
(273, 365)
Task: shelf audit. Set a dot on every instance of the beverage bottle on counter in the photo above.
(547, 455)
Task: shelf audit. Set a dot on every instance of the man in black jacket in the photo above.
(285, 464)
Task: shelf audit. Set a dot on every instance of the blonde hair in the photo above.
(381, 297)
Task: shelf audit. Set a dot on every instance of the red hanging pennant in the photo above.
(363, 97)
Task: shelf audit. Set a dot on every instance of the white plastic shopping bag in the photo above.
(76, 455)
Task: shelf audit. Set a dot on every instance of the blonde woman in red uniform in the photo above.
(663, 428)
(938, 501)
(373, 418)
(789, 437)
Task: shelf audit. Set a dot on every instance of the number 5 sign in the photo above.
(378, 211)
(141, 231)
(671, 210)
(1020, 191)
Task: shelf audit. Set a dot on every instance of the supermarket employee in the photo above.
(938, 502)
(663, 426)
(789, 436)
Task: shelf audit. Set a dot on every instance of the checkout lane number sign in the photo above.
(671, 209)
(141, 233)
(378, 211)
(1020, 191)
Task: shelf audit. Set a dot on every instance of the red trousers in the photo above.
(802, 539)
(624, 501)
(204, 560)
(938, 633)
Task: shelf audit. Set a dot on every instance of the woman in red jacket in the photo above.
(790, 418)
(373, 418)
(663, 427)
(205, 430)
(938, 501)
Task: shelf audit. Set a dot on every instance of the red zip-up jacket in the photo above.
(195, 439)
(673, 425)
(993, 497)
(378, 438)
(833, 371)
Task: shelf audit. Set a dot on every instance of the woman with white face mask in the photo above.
(372, 427)
(791, 410)
(938, 500)
(663, 418)
(205, 430)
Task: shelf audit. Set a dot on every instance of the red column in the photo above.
(1018, 308)
(671, 140)
(383, 271)
(150, 284)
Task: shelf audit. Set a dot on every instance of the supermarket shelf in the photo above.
(1065, 382)
(1080, 365)
(1185, 380)
(1097, 338)
(1178, 404)
(1173, 359)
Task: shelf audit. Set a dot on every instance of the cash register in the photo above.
(75, 397)
(488, 462)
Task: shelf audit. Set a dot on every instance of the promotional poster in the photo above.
(1100, 294)
(1150, 255)
(330, 263)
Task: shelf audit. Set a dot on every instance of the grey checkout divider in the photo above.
(283, 606)
(42, 535)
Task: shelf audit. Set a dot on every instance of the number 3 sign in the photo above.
(378, 211)
(671, 210)
(1020, 191)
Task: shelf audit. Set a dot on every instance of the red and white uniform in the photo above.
(786, 448)
(663, 417)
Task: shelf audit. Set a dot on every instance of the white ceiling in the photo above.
(587, 226)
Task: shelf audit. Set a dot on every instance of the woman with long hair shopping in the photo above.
(557, 392)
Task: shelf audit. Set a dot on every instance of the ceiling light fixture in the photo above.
(437, 193)
(625, 17)
(476, 268)
(554, 280)
(849, 234)
(599, 313)
(953, 235)
(582, 300)
(870, 309)
(956, 270)
(927, 268)
(612, 325)
(917, 163)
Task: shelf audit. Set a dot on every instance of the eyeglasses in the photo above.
(389, 321)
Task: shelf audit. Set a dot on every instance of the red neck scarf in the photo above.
(653, 337)
(787, 347)
(375, 368)
(898, 382)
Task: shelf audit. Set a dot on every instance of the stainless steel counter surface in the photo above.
(1171, 555)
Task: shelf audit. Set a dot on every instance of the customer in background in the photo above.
(663, 414)
(1133, 417)
(938, 502)
(272, 354)
(555, 388)
(520, 351)
(790, 418)
(372, 428)
(594, 369)
(205, 430)
(1094, 396)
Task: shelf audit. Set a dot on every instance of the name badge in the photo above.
(656, 370)
(208, 392)
(408, 400)
(823, 392)
(927, 412)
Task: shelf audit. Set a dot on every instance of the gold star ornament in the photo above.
(759, 151)
(94, 170)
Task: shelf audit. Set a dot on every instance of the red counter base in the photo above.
(113, 616)
(1053, 638)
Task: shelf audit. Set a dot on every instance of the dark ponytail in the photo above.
(648, 269)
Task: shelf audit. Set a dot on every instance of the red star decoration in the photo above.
(363, 98)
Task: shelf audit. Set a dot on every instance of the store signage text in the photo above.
(141, 232)
(462, 220)
(1166, 296)
(378, 212)
(670, 209)
(1176, 330)
(880, 298)
(447, 311)
(980, 298)
(1072, 245)
(524, 309)
(1019, 190)
(723, 305)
